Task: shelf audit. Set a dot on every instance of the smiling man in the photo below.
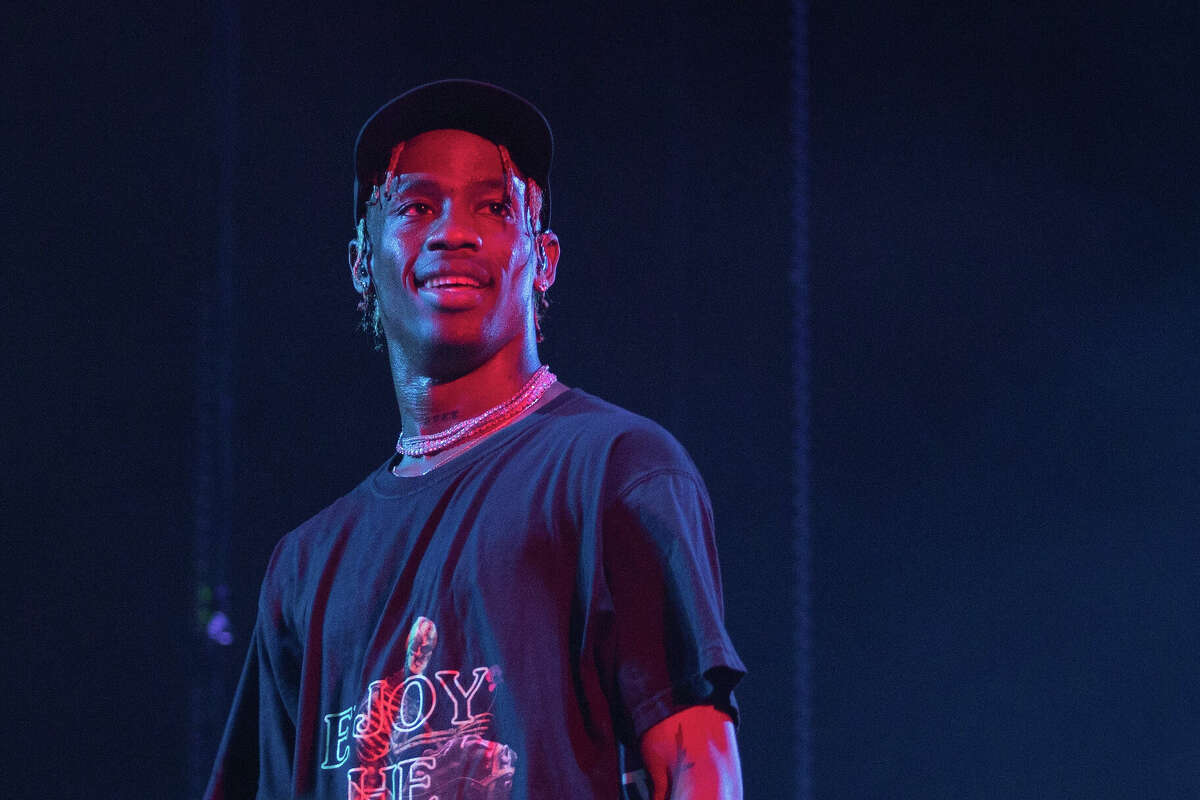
(524, 600)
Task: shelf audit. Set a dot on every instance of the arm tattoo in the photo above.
(682, 764)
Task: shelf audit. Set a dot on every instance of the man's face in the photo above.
(453, 260)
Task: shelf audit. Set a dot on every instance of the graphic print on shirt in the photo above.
(400, 754)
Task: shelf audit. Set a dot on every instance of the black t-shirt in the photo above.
(506, 626)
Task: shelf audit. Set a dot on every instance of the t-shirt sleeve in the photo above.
(255, 757)
(668, 643)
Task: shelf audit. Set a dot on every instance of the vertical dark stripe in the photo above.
(800, 377)
(212, 666)
(679, 187)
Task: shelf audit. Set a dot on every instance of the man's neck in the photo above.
(428, 405)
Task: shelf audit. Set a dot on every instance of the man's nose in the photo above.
(454, 230)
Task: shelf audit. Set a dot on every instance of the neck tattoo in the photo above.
(482, 424)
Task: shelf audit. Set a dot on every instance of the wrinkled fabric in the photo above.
(505, 627)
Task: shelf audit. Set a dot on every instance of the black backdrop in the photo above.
(1004, 312)
(1006, 428)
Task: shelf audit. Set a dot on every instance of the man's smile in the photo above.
(452, 275)
(452, 287)
(449, 281)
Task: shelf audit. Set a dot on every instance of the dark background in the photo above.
(1004, 299)
(1006, 399)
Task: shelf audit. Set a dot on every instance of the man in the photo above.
(524, 601)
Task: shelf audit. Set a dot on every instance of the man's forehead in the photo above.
(402, 182)
(446, 148)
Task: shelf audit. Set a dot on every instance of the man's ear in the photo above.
(551, 250)
(360, 265)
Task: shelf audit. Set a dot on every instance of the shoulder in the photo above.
(629, 435)
(313, 532)
(309, 546)
(632, 447)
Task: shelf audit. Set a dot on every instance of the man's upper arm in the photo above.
(668, 646)
(692, 755)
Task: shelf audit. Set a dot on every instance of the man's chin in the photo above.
(451, 345)
(446, 357)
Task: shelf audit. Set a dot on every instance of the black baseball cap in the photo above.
(480, 108)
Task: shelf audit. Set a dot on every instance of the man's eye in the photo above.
(499, 208)
(415, 209)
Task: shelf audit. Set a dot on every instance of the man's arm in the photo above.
(692, 755)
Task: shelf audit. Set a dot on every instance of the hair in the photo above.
(533, 198)
(368, 304)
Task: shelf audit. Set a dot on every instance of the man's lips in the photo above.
(452, 276)
(452, 286)
(449, 282)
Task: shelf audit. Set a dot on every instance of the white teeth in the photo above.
(451, 280)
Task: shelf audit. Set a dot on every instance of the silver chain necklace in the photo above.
(481, 424)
